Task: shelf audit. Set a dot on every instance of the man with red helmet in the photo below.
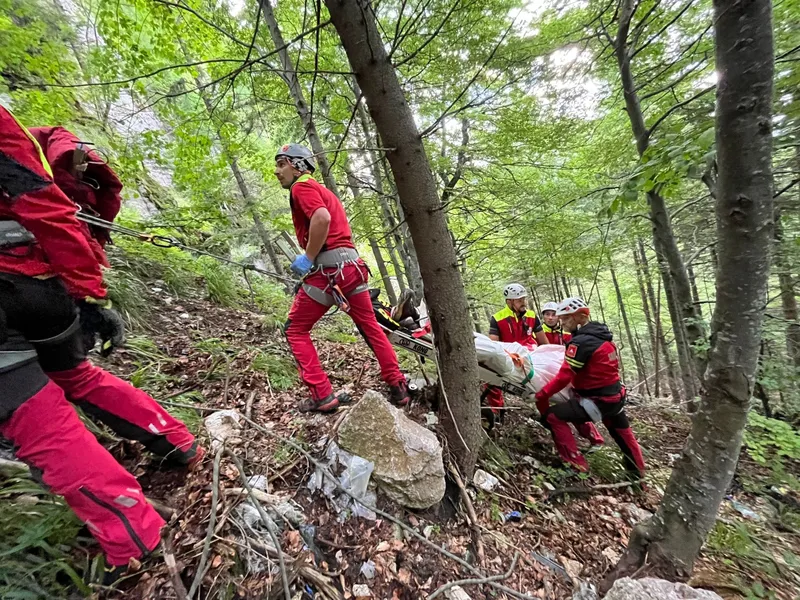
(52, 304)
(332, 273)
(591, 365)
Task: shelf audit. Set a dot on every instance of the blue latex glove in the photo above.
(302, 265)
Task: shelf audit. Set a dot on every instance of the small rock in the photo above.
(612, 555)
(185, 316)
(484, 480)
(532, 462)
(383, 547)
(431, 419)
(585, 591)
(572, 567)
(361, 590)
(548, 486)
(258, 482)
(650, 588)
(427, 531)
(456, 593)
(635, 514)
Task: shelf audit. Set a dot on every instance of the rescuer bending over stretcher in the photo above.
(591, 365)
(333, 273)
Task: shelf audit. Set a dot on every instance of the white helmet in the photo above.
(514, 290)
(570, 306)
(550, 306)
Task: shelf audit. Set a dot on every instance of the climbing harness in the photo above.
(162, 241)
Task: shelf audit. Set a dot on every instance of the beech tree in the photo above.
(669, 542)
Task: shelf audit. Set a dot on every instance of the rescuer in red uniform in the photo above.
(552, 326)
(332, 274)
(591, 364)
(52, 305)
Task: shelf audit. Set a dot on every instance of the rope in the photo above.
(167, 242)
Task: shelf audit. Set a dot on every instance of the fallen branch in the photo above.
(212, 521)
(271, 527)
(481, 581)
(591, 489)
(248, 408)
(391, 518)
(172, 567)
(471, 516)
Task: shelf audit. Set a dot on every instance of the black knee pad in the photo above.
(64, 351)
(21, 376)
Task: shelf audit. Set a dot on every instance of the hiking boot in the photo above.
(328, 404)
(398, 394)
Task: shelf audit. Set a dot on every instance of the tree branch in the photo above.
(678, 106)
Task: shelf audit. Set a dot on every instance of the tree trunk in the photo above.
(663, 235)
(648, 317)
(600, 303)
(565, 287)
(418, 195)
(788, 298)
(655, 302)
(695, 293)
(670, 541)
(376, 251)
(406, 242)
(688, 378)
(641, 372)
(289, 76)
(393, 239)
(244, 190)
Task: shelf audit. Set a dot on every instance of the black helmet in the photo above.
(300, 157)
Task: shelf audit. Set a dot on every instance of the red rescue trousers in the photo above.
(44, 369)
(305, 313)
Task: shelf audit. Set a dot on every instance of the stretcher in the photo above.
(424, 348)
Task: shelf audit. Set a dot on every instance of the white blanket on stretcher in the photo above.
(544, 360)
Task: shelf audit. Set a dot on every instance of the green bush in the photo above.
(769, 439)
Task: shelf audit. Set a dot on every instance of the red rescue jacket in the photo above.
(556, 335)
(591, 364)
(511, 327)
(29, 197)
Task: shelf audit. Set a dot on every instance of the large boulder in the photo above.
(407, 457)
(650, 588)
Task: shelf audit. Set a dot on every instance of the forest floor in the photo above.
(199, 357)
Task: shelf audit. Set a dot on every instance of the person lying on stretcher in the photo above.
(405, 317)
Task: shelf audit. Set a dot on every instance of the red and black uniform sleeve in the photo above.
(494, 328)
(32, 199)
(537, 324)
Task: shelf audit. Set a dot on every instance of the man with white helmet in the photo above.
(514, 323)
(552, 326)
(333, 273)
(591, 365)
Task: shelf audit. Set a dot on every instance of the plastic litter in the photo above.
(744, 510)
(258, 482)
(550, 563)
(354, 478)
(514, 516)
(223, 427)
(368, 569)
(484, 480)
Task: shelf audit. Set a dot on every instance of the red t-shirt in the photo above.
(305, 198)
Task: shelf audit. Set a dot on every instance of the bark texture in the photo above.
(444, 290)
(689, 319)
(670, 541)
(289, 76)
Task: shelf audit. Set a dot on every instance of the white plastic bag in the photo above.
(492, 355)
(547, 361)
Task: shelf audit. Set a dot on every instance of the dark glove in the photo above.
(97, 317)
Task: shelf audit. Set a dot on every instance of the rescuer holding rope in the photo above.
(333, 274)
(53, 304)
